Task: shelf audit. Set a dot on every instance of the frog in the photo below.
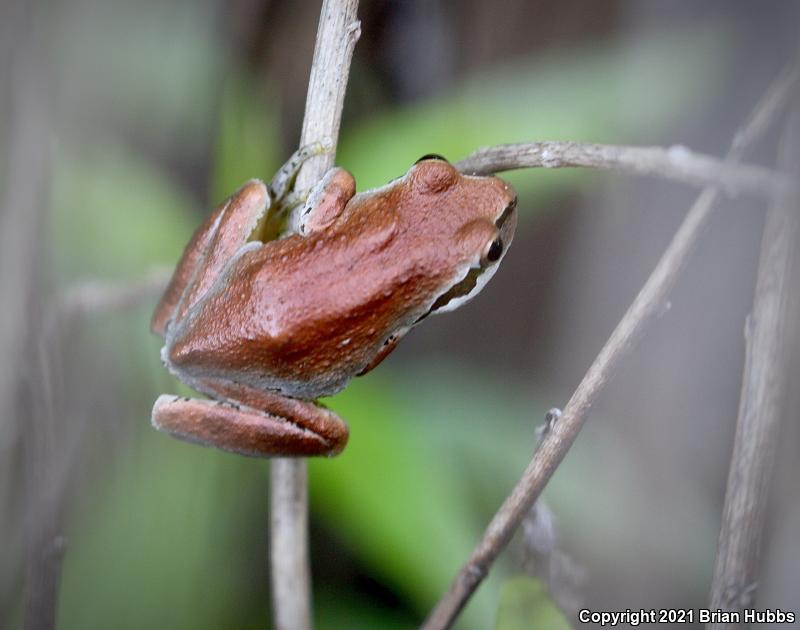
(276, 303)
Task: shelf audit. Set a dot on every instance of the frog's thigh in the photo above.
(192, 257)
(232, 226)
(327, 200)
(248, 431)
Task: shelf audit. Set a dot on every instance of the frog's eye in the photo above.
(431, 156)
(495, 250)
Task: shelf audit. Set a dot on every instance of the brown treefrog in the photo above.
(265, 322)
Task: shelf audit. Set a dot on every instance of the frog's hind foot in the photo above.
(248, 431)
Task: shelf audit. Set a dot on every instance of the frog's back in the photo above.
(305, 314)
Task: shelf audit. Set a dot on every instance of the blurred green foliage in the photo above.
(115, 214)
(172, 535)
(524, 604)
(584, 95)
(248, 143)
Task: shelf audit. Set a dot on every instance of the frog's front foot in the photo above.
(302, 428)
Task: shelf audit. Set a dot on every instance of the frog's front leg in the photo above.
(259, 424)
(282, 182)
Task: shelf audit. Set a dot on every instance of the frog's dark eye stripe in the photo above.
(431, 156)
(460, 289)
(509, 209)
(495, 250)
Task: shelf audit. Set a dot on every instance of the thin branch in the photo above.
(644, 309)
(289, 560)
(97, 297)
(758, 426)
(337, 34)
(675, 163)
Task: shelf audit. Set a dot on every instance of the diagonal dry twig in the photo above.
(644, 309)
(337, 34)
(760, 411)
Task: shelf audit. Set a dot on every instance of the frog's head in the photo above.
(477, 216)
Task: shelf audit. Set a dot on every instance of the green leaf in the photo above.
(161, 540)
(432, 453)
(389, 496)
(604, 94)
(525, 604)
(342, 610)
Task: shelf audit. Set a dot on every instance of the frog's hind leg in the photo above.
(252, 213)
(212, 246)
(264, 424)
(186, 270)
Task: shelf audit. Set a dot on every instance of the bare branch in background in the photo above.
(97, 297)
(644, 309)
(760, 406)
(337, 34)
(543, 559)
(675, 163)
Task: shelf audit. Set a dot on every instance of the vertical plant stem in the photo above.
(337, 34)
(763, 388)
(291, 579)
